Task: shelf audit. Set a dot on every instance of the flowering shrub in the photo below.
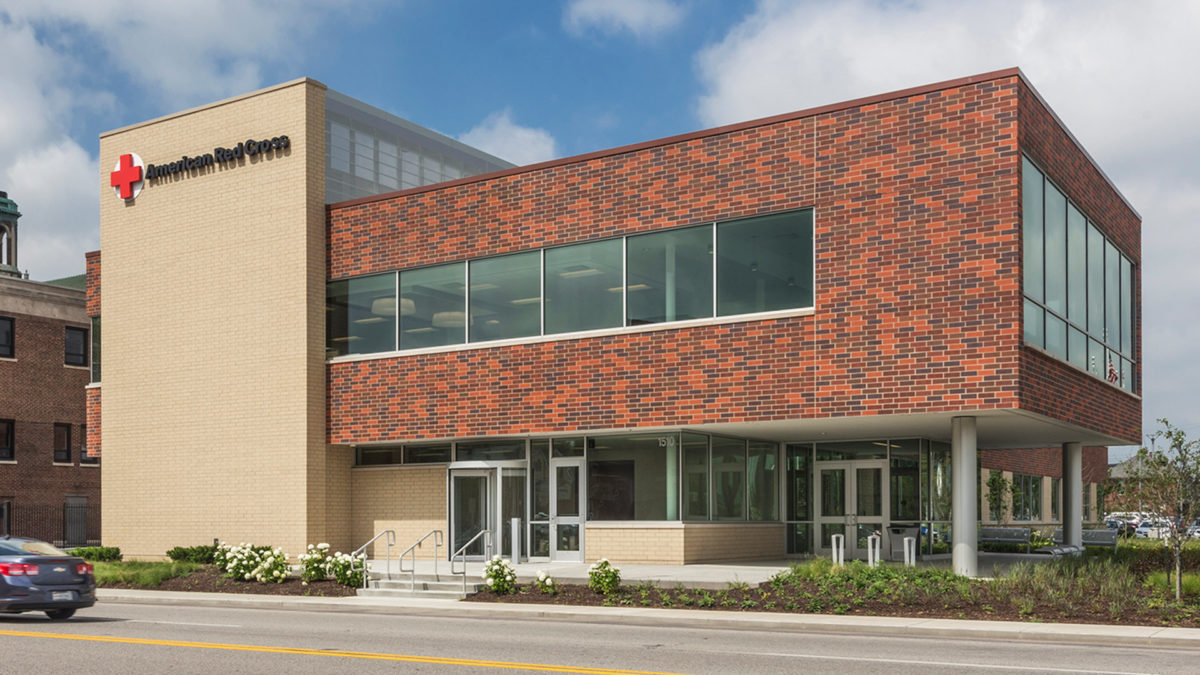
(603, 578)
(252, 563)
(545, 583)
(314, 563)
(500, 576)
(348, 569)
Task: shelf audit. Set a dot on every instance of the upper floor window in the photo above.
(1079, 299)
(76, 341)
(746, 266)
(6, 439)
(7, 350)
(62, 443)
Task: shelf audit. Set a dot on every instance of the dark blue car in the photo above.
(37, 577)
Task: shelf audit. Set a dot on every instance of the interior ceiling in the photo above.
(995, 429)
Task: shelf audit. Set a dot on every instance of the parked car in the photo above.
(1123, 527)
(1194, 530)
(37, 577)
(1152, 529)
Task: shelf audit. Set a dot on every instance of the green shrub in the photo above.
(201, 555)
(347, 569)
(252, 563)
(98, 553)
(1160, 580)
(141, 574)
(603, 578)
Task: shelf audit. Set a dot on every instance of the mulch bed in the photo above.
(800, 600)
(208, 579)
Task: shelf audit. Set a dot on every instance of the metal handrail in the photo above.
(390, 541)
(437, 543)
(461, 552)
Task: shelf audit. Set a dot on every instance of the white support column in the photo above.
(1072, 494)
(964, 496)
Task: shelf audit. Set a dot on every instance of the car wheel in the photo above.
(60, 614)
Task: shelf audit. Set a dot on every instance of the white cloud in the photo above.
(64, 59)
(1116, 73)
(642, 18)
(54, 185)
(502, 137)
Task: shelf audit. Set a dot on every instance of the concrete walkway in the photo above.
(692, 619)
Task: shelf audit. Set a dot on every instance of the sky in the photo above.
(531, 81)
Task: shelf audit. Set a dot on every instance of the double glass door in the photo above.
(486, 499)
(557, 532)
(852, 500)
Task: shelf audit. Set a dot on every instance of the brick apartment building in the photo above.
(49, 486)
(730, 344)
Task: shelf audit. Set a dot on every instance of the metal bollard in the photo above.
(910, 552)
(838, 542)
(873, 546)
(516, 540)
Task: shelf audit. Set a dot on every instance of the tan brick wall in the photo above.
(649, 545)
(213, 416)
(411, 501)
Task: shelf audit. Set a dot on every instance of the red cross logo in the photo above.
(126, 177)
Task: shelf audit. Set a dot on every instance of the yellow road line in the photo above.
(477, 663)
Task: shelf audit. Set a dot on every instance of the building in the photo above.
(49, 485)
(730, 344)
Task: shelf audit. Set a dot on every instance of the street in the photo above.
(131, 638)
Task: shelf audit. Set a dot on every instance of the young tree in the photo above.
(999, 496)
(1167, 482)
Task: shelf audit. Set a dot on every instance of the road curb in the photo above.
(685, 618)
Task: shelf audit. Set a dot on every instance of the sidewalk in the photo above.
(681, 618)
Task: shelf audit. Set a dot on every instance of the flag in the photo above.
(1112, 372)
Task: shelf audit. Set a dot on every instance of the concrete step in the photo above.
(439, 594)
(446, 583)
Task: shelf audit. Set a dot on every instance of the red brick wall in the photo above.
(93, 283)
(38, 392)
(93, 422)
(1050, 387)
(917, 296)
(1045, 462)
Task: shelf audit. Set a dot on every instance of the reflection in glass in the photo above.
(628, 477)
(1056, 249)
(568, 538)
(762, 472)
(1035, 327)
(695, 477)
(1112, 295)
(506, 297)
(583, 287)
(1095, 277)
(1056, 336)
(799, 538)
(539, 478)
(1076, 266)
(669, 276)
(433, 306)
(470, 512)
(1031, 227)
(512, 506)
(729, 478)
(868, 492)
(566, 491)
(360, 315)
(939, 479)
(765, 263)
(904, 475)
(491, 450)
(827, 532)
(833, 492)
(799, 480)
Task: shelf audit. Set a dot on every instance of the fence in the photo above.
(67, 525)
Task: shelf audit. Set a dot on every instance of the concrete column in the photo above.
(1072, 494)
(964, 496)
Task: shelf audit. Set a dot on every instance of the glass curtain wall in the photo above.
(761, 264)
(1078, 286)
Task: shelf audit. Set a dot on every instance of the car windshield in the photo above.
(16, 547)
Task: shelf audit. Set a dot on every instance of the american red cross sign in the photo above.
(126, 176)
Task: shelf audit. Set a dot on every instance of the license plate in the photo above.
(62, 595)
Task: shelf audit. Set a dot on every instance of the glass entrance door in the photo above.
(566, 510)
(851, 500)
(470, 510)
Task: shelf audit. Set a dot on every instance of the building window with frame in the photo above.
(76, 346)
(84, 457)
(1087, 502)
(1055, 499)
(7, 350)
(95, 349)
(62, 443)
(7, 439)
(1027, 497)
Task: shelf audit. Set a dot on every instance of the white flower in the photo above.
(489, 581)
